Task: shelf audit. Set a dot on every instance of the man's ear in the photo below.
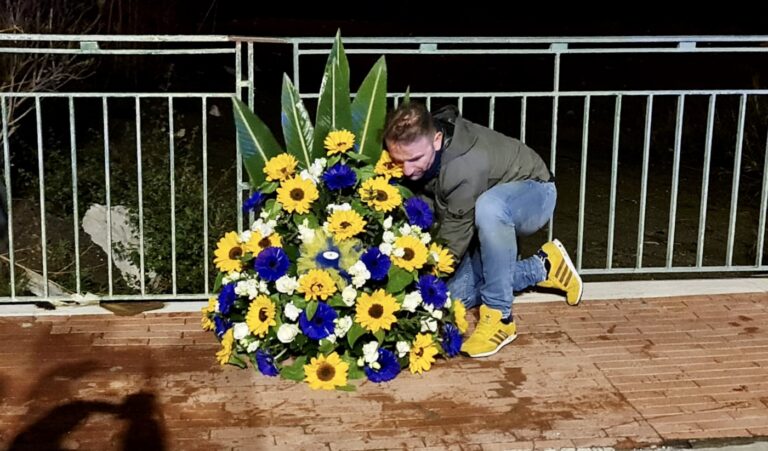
(437, 142)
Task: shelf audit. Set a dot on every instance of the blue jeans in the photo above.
(491, 274)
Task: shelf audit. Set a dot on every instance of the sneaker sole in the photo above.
(507, 341)
(572, 268)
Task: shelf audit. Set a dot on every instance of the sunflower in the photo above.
(376, 311)
(339, 141)
(414, 253)
(280, 167)
(226, 347)
(422, 354)
(258, 243)
(261, 315)
(386, 167)
(460, 315)
(316, 284)
(297, 194)
(345, 224)
(443, 260)
(379, 194)
(228, 253)
(205, 321)
(326, 373)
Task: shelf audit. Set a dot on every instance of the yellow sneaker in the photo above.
(561, 273)
(490, 335)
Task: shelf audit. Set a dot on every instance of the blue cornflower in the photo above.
(321, 324)
(271, 263)
(377, 263)
(419, 213)
(221, 325)
(339, 176)
(266, 363)
(433, 291)
(387, 371)
(254, 202)
(451, 340)
(227, 298)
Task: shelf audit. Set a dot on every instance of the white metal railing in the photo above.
(553, 52)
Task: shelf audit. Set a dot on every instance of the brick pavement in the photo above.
(611, 373)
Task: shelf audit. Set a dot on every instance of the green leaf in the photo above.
(297, 126)
(234, 359)
(347, 387)
(359, 157)
(291, 251)
(369, 110)
(379, 334)
(334, 111)
(405, 192)
(257, 144)
(299, 301)
(268, 188)
(218, 281)
(311, 309)
(398, 279)
(355, 372)
(298, 219)
(295, 371)
(407, 97)
(355, 332)
(336, 301)
(326, 346)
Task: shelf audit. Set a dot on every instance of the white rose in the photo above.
(253, 346)
(291, 311)
(411, 301)
(437, 314)
(263, 287)
(403, 347)
(388, 223)
(232, 276)
(398, 252)
(405, 229)
(286, 285)
(428, 324)
(246, 288)
(342, 207)
(371, 352)
(348, 295)
(240, 331)
(360, 279)
(305, 232)
(425, 238)
(309, 176)
(343, 325)
(287, 332)
(385, 248)
(388, 237)
(245, 236)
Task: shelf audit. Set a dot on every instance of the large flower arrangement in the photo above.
(338, 277)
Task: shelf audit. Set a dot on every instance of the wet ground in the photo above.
(623, 374)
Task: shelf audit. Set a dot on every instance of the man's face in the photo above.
(417, 156)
